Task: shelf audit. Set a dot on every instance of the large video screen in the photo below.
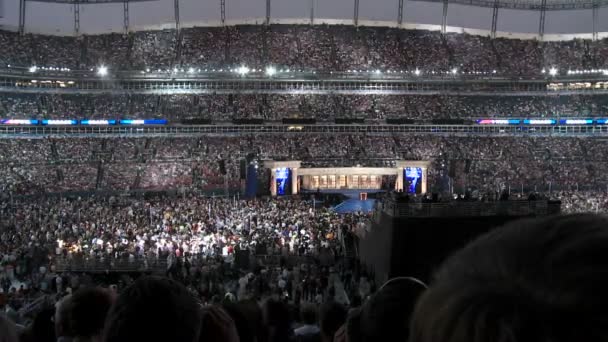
(413, 180)
(283, 179)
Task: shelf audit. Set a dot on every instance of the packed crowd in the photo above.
(320, 48)
(519, 164)
(195, 241)
(275, 107)
(489, 281)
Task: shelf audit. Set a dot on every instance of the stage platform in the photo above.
(355, 205)
(351, 202)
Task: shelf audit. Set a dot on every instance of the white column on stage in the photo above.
(273, 182)
(399, 182)
(294, 181)
(424, 177)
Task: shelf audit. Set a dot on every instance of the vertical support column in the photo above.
(356, 14)
(125, 10)
(400, 13)
(21, 17)
(494, 19)
(312, 12)
(176, 13)
(267, 12)
(294, 181)
(273, 182)
(541, 22)
(223, 11)
(399, 182)
(76, 17)
(423, 187)
(595, 13)
(444, 18)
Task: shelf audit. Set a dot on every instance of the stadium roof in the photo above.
(512, 4)
(525, 19)
(532, 4)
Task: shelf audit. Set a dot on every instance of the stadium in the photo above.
(285, 170)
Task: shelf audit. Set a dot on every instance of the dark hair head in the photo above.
(8, 330)
(387, 313)
(42, 328)
(88, 310)
(154, 309)
(217, 325)
(308, 313)
(532, 280)
(247, 317)
(62, 317)
(333, 315)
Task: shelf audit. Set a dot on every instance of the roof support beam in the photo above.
(21, 17)
(76, 18)
(356, 15)
(312, 12)
(223, 11)
(494, 19)
(125, 11)
(400, 13)
(444, 17)
(176, 13)
(541, 22)
(595, 13)
(267, 12)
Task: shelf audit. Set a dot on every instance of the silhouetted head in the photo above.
(535, 280)
(154, 309)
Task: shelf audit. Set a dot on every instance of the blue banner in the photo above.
(97, 122)
(576, 122)
(540, 122)
(144, 122)
(60, 122)
(413, 180)
(282, 177)
(18, 122)
(498, 121)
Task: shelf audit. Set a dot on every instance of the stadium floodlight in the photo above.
(417, 72)
(270, 71)
(454, 71)
(378, 71)
(243, 70)
(33, 68)
(191, 70)
(147, 69)
(553, 71)
(102, 70)
(175, 70)
(543, 71)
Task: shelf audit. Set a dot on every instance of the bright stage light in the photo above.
(270, 71)
(33, 68)
(454, 71)
(102, 70)
(553, 71)
(191, 70)
(417, 72)
(243, 70)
